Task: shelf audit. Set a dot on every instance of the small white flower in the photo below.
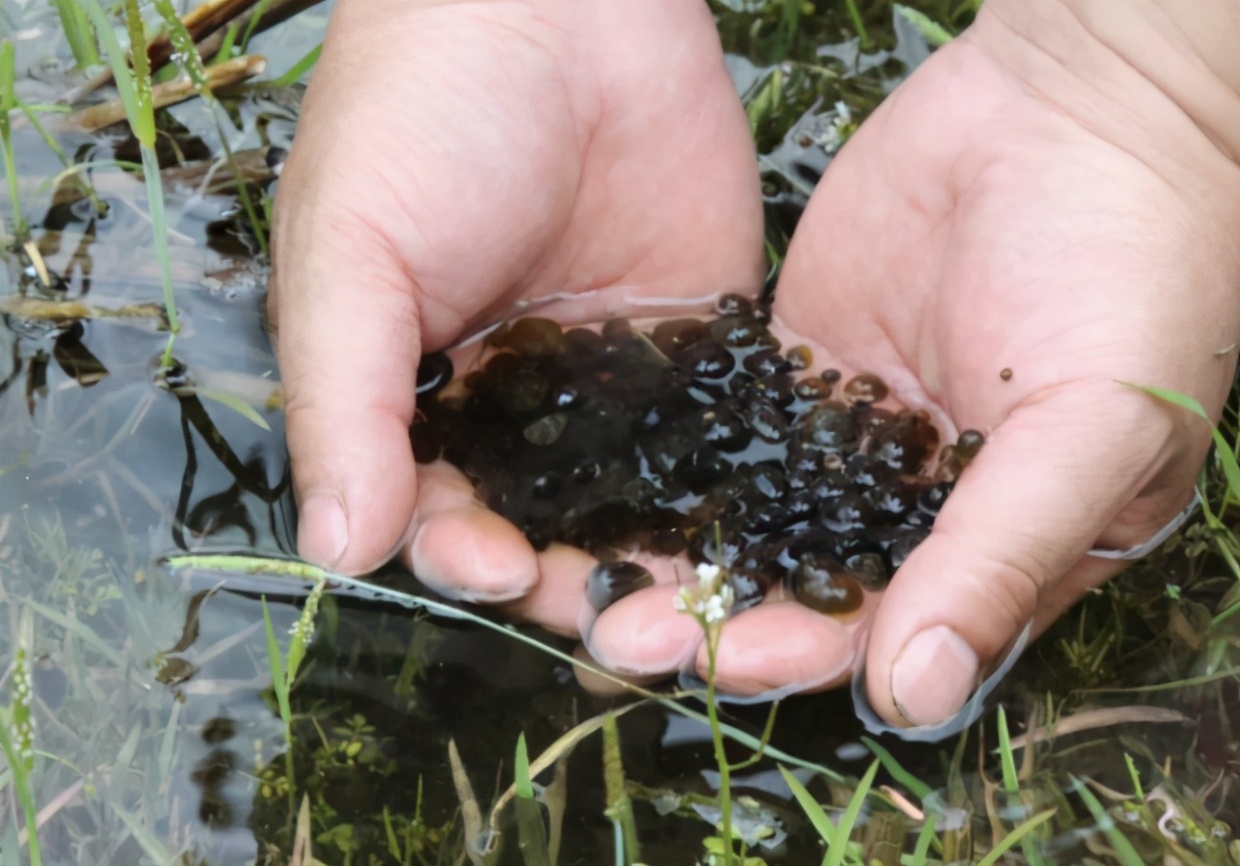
(708, 574)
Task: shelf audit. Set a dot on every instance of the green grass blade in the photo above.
(839, 847)
(1138, 792)
(8, 101)
(619, 805)
(300, 68)
(233, 402)
(81, 37)
(531, 831)
(521, 770)
(1124, 852)
(124, 76)
(1223, 449)
(143, 121)
(902, 776)
(933, 32)
(811, 807)
(921, 851)
(1006, 759)
(226, 44)
(1017, 835)
(260, 9)
(186, 52)
(155, 201)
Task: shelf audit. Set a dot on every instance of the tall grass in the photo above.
(134, 86)
(8, 102)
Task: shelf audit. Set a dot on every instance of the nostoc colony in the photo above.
(705, 438)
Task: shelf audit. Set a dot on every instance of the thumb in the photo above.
(1080, 466)
(345, 329)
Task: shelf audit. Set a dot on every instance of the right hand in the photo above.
(454, 159)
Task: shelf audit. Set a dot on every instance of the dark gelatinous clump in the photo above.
(701, 438)
(611, 581)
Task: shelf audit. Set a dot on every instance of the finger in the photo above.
(605, 685)
(783, 646)
(1048, 485)
(462, 549)
(347, 362)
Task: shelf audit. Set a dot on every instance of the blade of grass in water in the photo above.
(837, 848)
(1011, 785)
(811, 807)
(260, 9)
(226, 45)
(8, 101)
(190, 62)
(134, 87)
(78, 32)
(300, 68)
(530, 829)
(919, 788)
(619, 806)
(1019, 834)
(1224, 450)
(280, 684)
(1124, 852)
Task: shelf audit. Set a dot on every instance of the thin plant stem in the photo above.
(8, 101)
(721, 758)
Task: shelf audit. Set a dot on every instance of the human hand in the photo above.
(453, 161)
(999, 213)
(1007, 243)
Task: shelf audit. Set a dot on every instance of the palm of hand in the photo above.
(528, 152)
(1007, 268)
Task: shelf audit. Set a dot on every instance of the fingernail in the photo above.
(933, 676)
(322, 530)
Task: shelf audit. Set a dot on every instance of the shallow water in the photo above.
(156, 729)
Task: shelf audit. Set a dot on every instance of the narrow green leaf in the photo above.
(837, 849)
(185, 51)
(233, 402)
(811, 807)
(1138, 792)
(119, 64)
(78, 32)
(226, 44)
(143, 122)
(1222, 448)
(300, 68)
(933, 32)
(521, 770)
(1018, 833)
(921, 851)
(275, 664)
(1006, 759)
(8, 101)
(260, 9)
(902, 776)
(1124, 852)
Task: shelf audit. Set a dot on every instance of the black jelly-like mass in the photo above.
(699, 437)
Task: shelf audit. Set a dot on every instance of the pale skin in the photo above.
(1032, 199)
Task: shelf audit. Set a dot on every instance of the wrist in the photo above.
(1158, 66)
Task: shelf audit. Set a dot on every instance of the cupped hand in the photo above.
(453, 161)
(1013, 253)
